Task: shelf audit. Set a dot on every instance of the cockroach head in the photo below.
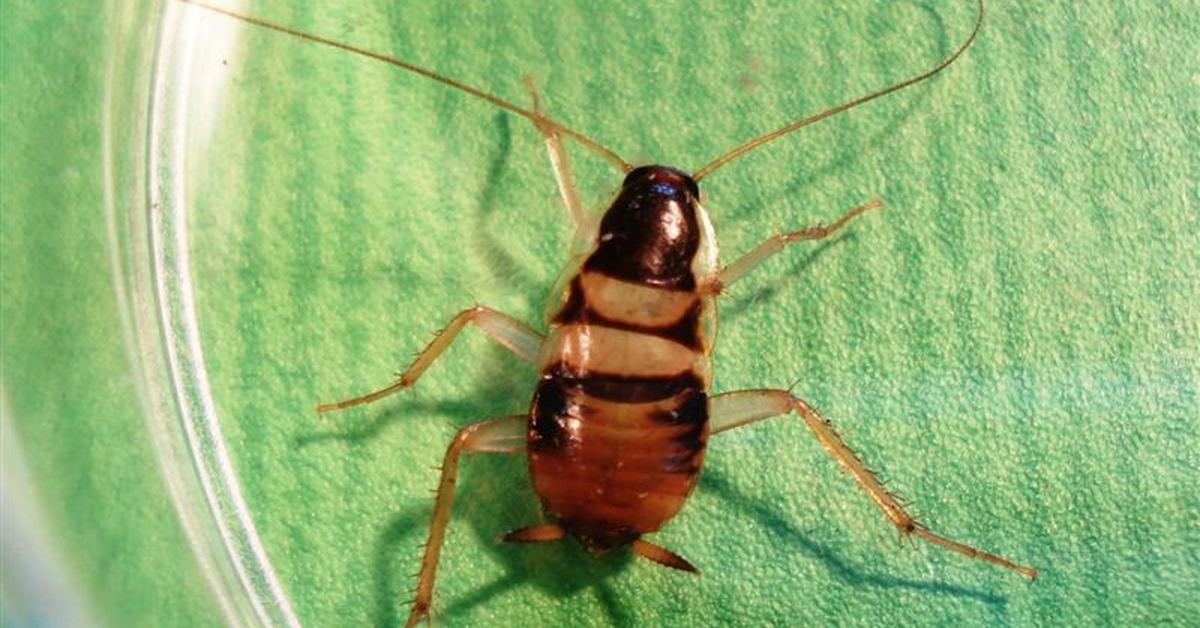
(664, 180)
(650, 232)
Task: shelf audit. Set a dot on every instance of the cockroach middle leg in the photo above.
(504, 329)
(734, 409)
(502, 435)
(774, 244)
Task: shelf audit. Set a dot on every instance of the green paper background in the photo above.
(1014, 342)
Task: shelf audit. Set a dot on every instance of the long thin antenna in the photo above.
(763, 139)
(536, 118)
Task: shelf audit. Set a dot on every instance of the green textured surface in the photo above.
(1015, 341)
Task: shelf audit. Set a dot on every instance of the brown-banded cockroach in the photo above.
(616, 432)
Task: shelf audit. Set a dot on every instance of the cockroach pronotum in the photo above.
(621, 415)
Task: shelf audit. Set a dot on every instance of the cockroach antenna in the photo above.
(542, 122)
(750, 145)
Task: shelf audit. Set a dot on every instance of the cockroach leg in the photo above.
(734, 409)
(662, 556)
(502, 435)
(558, 160)
(541, 533)
(509, 332)
(774, 244)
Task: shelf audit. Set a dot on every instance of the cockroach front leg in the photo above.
(774, 244)
(506, 330)
(503, 435)
(735, 409)
(558, 160)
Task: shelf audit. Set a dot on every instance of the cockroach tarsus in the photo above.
(621, 415)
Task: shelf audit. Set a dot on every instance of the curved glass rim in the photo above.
(152, 124)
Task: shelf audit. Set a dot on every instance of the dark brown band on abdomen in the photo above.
(625, 388)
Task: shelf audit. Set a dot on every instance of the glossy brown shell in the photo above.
(619, 421)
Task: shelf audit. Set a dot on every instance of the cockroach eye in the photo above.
(666, 189)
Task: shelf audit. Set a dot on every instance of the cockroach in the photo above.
(621, 415)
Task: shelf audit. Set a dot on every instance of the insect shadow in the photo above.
(504, 268)
(785, 529)
(495, 498)
(561, 570)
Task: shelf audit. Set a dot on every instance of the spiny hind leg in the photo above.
(734, 409)
(558, 160)
(504, 329)
(502, 435)
(774, 244)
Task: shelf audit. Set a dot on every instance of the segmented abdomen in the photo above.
(620, 417)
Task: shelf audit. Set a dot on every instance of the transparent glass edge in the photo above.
(145, 124)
